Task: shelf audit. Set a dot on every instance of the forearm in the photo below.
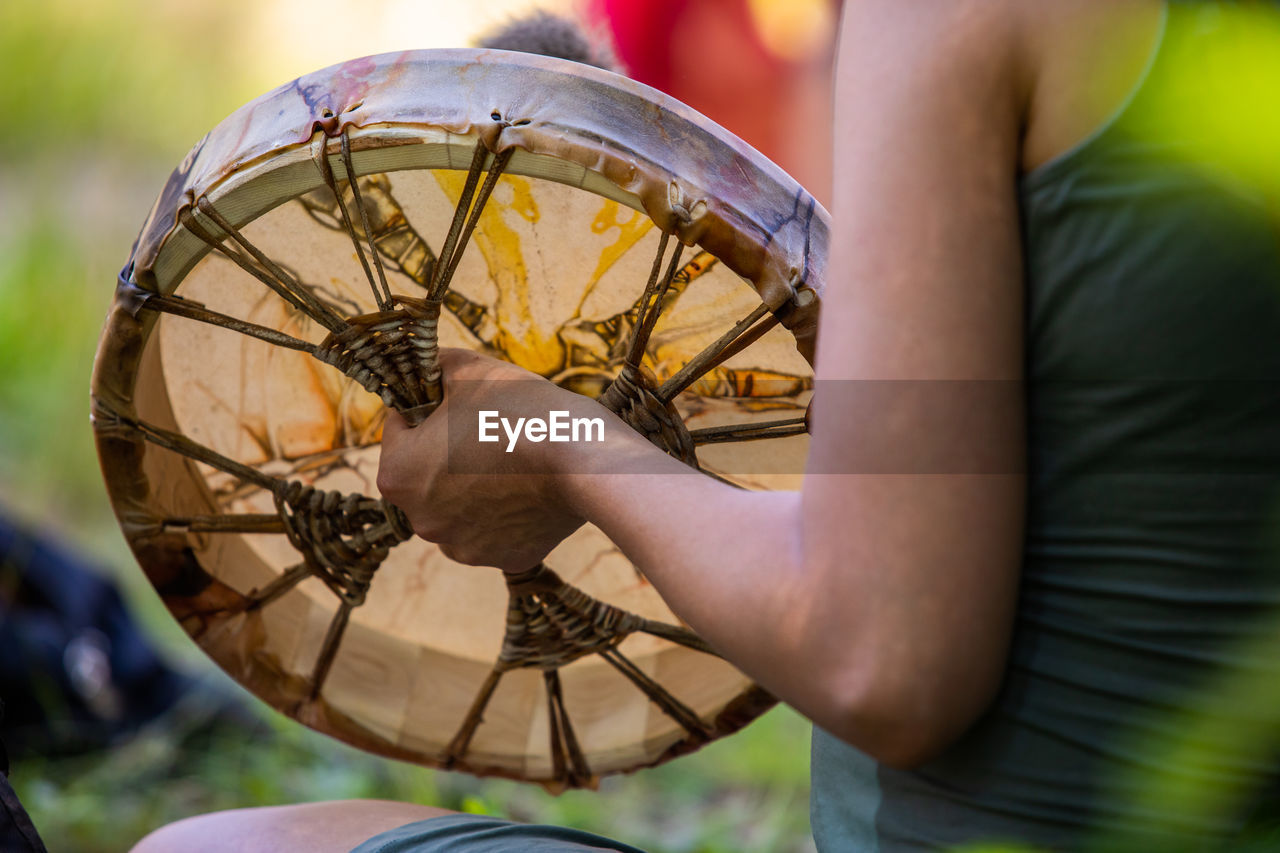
(724, 559)
(880, 599)
(844, 609)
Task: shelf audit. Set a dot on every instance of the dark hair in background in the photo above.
(548, 34)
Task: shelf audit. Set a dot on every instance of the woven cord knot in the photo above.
(343, 539)
(550, 623)
(632, 396)
(394, 354)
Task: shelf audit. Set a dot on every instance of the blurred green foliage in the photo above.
(745, 794)
(125, 76)
(101, 100)
(35, 354)
(1221, 95)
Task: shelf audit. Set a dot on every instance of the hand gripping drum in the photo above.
(298, 275)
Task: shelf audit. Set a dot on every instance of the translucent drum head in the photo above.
(294, 279)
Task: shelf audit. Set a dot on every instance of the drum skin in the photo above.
(566, 123)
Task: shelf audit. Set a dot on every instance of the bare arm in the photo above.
(877, 604)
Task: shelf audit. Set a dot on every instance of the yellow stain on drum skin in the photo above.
(630, 231)
(519, 336)
(522, 201)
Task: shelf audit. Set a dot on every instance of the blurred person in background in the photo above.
(760, 68)
(1044, 457)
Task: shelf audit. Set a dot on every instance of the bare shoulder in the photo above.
(965, 41)
(1086, 57)
(1056, 70)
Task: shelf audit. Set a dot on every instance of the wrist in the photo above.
(577, 467)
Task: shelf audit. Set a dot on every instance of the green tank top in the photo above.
(1149, 597)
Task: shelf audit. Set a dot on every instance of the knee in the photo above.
(332, 827)
(189, 834)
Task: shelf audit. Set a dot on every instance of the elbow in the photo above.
(904, 719)
(908, 747)
(899, 740)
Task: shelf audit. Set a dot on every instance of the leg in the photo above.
(332, 827)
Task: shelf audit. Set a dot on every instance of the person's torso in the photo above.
(1149, 592)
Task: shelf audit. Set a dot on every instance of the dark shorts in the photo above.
(467, 833)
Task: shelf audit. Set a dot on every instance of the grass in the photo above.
(119, 75)
(745, 794)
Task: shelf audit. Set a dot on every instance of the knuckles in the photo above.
(388, 486)
(412, 473)
(431, 529)
(467, 555)
(455, 553)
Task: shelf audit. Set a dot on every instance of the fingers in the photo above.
(393, 427)
(474, 520)
(396, 460)
(457, 363)
(507, 561)
(459, 358)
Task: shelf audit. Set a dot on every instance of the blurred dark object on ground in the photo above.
(77, 673)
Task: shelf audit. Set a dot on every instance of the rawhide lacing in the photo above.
(551, 624)
(393, 352)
